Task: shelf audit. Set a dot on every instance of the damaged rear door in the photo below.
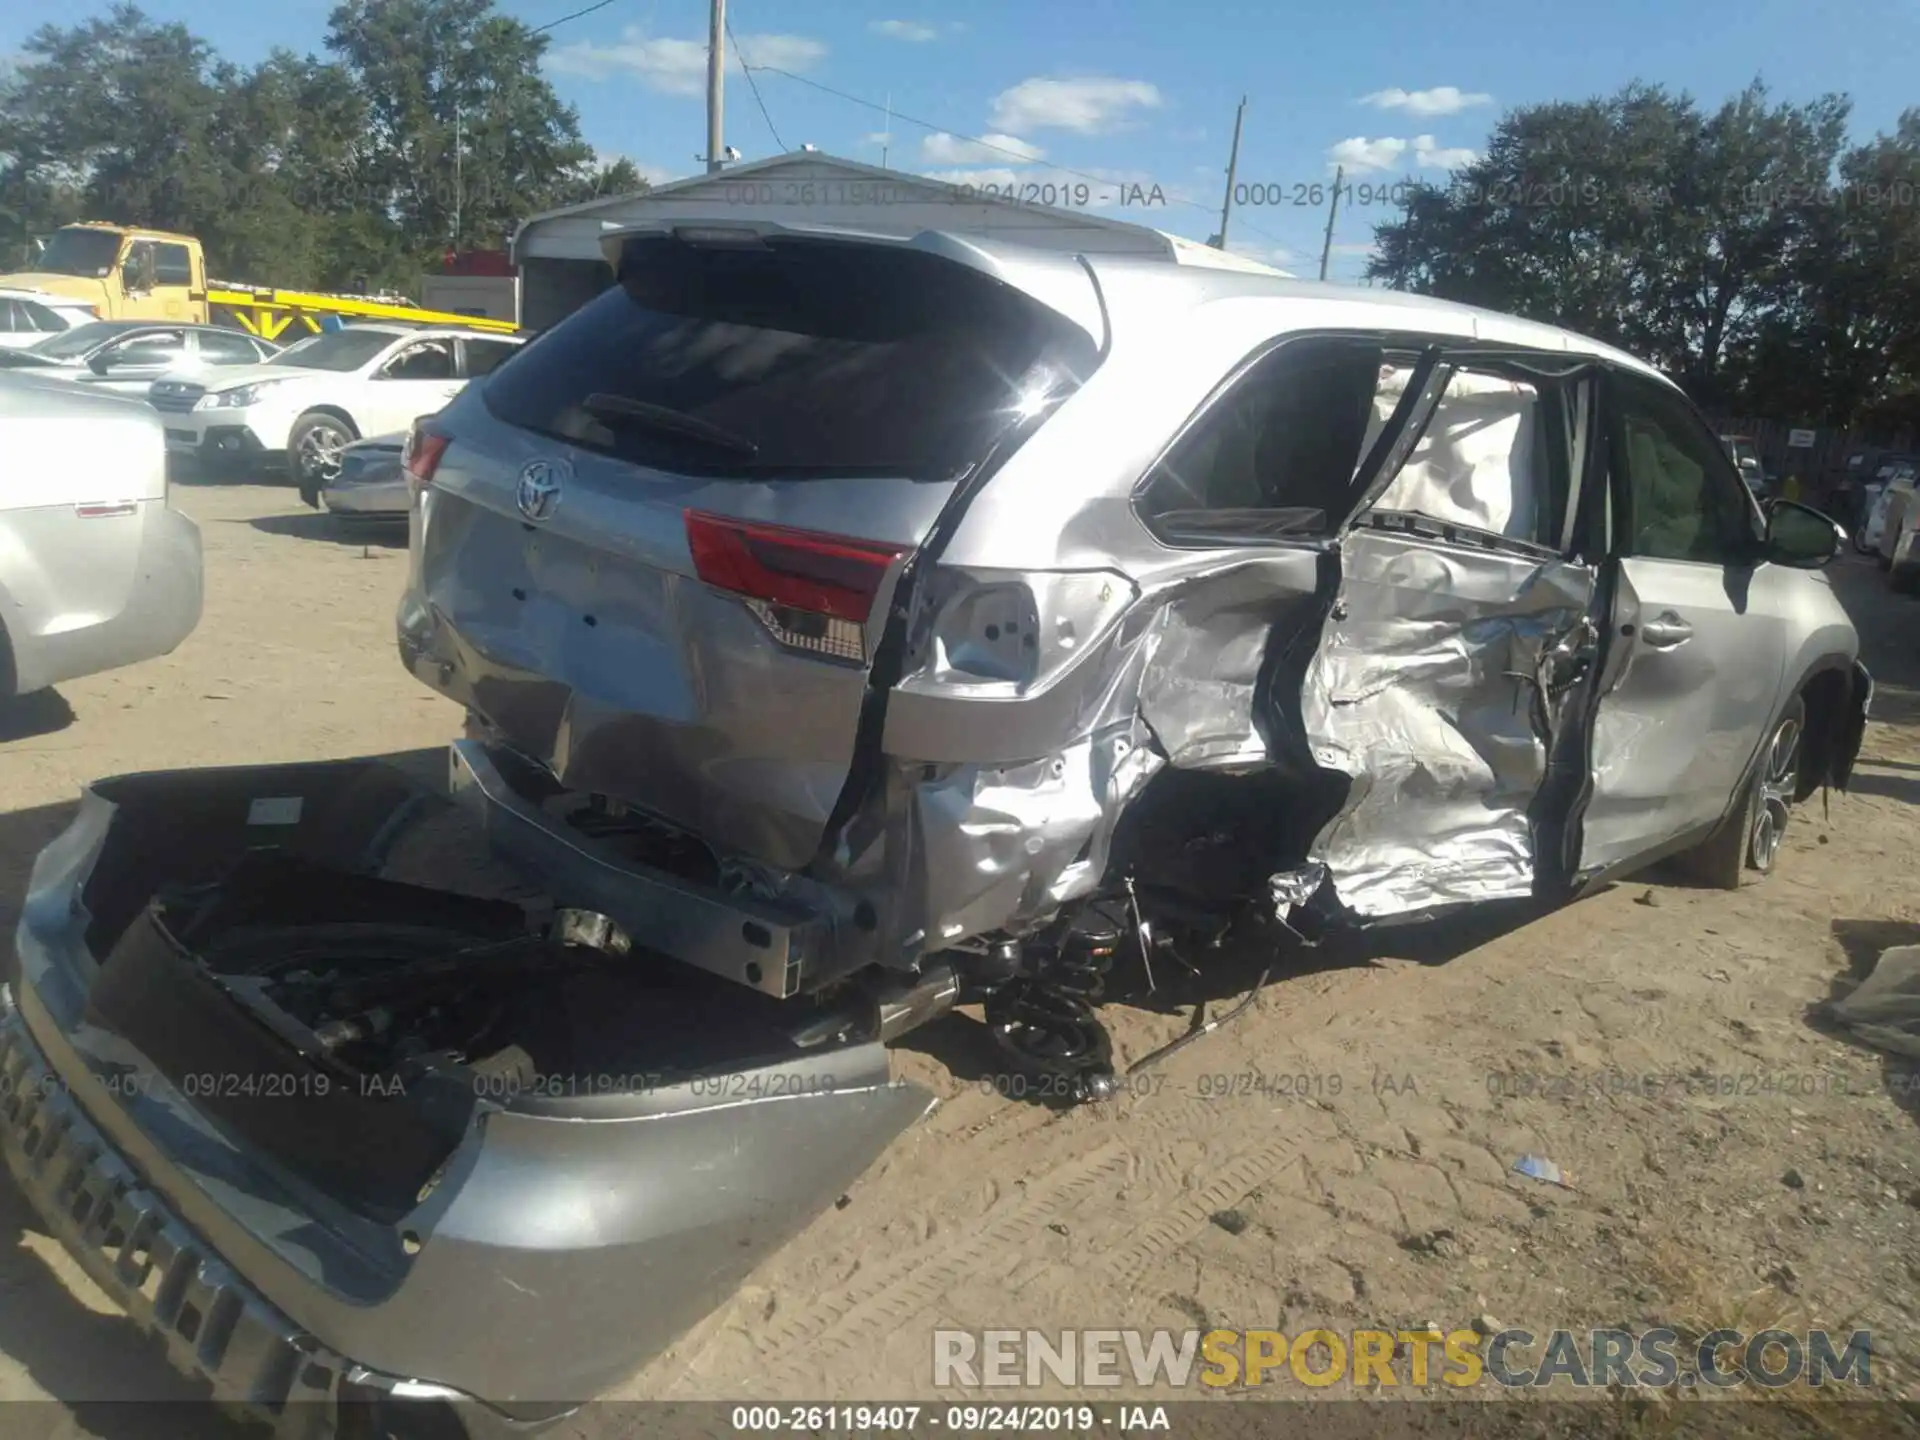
(659, 542)
(1462, 629)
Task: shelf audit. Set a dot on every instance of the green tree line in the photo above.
(425, 126)
(1752, 252)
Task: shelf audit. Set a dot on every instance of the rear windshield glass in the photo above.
(797, 359)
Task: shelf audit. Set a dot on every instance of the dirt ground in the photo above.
(1341, 1155)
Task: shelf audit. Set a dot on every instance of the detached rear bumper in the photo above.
(214, 1325)
(545, 1261)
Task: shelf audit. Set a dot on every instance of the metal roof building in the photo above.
(561, 266)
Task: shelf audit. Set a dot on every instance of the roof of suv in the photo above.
(1191, 283)
(1365, 307)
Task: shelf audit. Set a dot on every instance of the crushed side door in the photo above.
(1463, 621)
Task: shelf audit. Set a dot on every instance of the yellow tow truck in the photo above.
(128, 272)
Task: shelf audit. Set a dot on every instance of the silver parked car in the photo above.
(96, 569)
(126, 357)
(369, 486)
(851, 628)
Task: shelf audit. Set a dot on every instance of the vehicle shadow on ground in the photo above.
(1888, 787)
(321, 525)
(45, 712)
(1863, 941)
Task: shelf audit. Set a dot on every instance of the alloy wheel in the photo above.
(1779, 779)
(319, 455)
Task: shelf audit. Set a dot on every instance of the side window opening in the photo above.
(1495, 456)
(1685, 500)
(172, 265)
(40, 318)
(431, 360)
(1276, 455)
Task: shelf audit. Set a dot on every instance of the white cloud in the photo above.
(1433, 156)
(913, 31)
(1358, 154)
(1441, 100)
(877, 137)
(941, 148)
(678, 67)
(1089, 106)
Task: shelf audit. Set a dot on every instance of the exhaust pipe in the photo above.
(912, 1001)
(891, 1008)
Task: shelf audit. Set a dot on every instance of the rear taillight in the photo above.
(421, 457)
(813, 591)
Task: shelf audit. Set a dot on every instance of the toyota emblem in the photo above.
(538, 494)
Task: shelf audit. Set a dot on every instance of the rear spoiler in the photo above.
(1062, 283)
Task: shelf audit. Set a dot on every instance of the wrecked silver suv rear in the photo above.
(851, 617)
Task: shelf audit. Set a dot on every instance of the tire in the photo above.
(1746, 846)
(313, 449)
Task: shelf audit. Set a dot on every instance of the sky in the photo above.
(1128, 109)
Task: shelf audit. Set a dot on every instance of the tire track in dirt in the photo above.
(855, 1319)
(1131, 1184)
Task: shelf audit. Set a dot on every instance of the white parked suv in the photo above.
(29, 316)
(322, 393)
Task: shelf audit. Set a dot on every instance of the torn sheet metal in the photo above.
(978, 838)
(1423, 691)
(1199, 689)
(996, 846)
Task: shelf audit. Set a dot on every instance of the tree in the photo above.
(465, 137)
(1682, 236)
(600, 180)
(116, 114)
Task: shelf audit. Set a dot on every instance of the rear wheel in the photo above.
(313, 450)
(1745, 847)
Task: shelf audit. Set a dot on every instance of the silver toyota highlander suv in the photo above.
(851, 628)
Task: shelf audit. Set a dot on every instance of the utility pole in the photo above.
(1326, 248)
(1233, 164)
(886, 132)
(716, 80)
(458, 145)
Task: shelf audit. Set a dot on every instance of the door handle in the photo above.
(1666, 631)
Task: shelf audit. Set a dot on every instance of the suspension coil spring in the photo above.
(1044, 1019)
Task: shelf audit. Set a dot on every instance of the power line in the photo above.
(1025, 157)
(753, 84)
(601, 5)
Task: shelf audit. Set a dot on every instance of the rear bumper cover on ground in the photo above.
(552, 1258)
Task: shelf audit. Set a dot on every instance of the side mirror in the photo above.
(102, 363)
(1800, 536)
